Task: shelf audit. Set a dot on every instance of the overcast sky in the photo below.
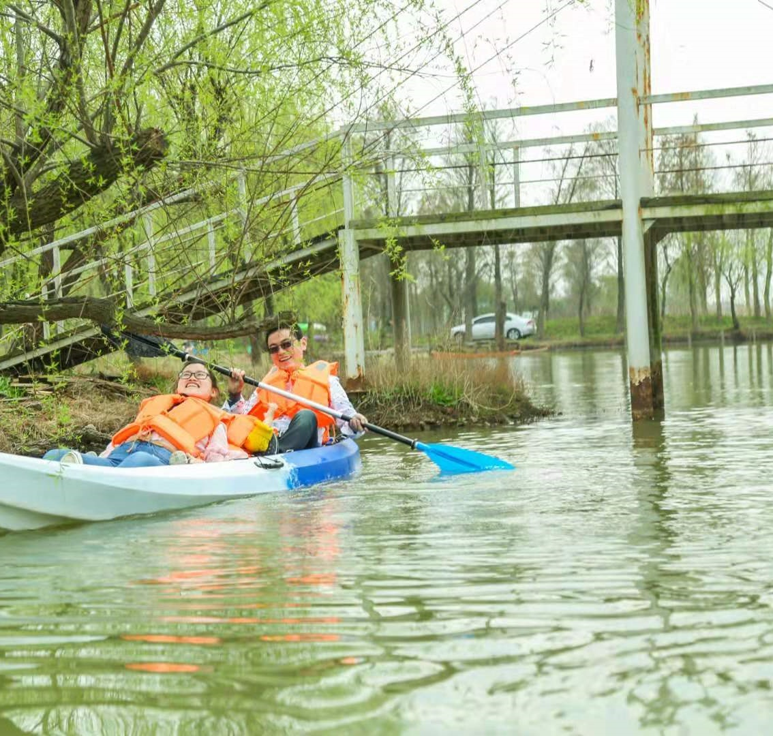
(696, 44)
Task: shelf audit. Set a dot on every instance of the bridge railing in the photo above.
(471, 162)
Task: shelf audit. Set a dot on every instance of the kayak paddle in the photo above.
(448, 458)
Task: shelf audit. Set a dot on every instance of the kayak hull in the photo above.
(37, 493)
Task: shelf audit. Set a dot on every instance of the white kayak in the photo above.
(36, 493)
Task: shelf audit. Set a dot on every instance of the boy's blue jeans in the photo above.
(126, 455)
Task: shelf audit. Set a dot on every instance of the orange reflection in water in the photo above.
(162, 667)
(169, 639)
(249, 620)
(178, 576)
(207, 563)
(300, 637)
(323, 579)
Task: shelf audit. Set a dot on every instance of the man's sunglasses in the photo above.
(284, 345)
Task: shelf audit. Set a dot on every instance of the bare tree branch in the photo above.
(206, 34)
(154, 12)
(32, 21)
(115, 95)
(109, 312)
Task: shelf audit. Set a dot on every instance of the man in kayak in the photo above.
(298, 428)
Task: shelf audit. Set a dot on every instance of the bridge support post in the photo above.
(354, 336)
(636, 181)
(354, 339)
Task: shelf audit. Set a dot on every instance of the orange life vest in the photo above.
(311, 382)
(184, 421)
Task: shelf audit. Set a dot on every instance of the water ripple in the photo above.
(619, 581)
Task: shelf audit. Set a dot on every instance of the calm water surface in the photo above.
(620, 581)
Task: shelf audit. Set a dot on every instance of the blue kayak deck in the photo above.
(330, 462)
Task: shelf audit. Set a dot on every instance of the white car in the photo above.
(483, 327)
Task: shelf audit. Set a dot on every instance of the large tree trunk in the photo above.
(82, 181)
(736, 324)
(112, 312)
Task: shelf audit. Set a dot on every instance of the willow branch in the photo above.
(207, 34)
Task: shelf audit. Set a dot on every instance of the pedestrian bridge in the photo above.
(454, 181)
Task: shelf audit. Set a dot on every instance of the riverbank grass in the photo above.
(65, 411)
(439, 392)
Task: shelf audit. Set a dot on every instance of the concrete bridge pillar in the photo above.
(636, 181)
(353, 327)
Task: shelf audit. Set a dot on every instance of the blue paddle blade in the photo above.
(456, 460)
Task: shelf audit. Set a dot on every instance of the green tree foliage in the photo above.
(109, 106)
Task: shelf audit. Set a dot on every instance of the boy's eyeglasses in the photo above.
(198, 375)
(284, 345)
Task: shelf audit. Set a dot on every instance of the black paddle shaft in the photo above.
(169, 349)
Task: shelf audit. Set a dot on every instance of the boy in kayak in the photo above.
(178, 428)
(298, 428)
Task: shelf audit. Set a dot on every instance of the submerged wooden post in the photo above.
(636, 181)
(354, 338)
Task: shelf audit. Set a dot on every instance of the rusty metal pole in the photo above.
(636, 181)
(354, 338)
